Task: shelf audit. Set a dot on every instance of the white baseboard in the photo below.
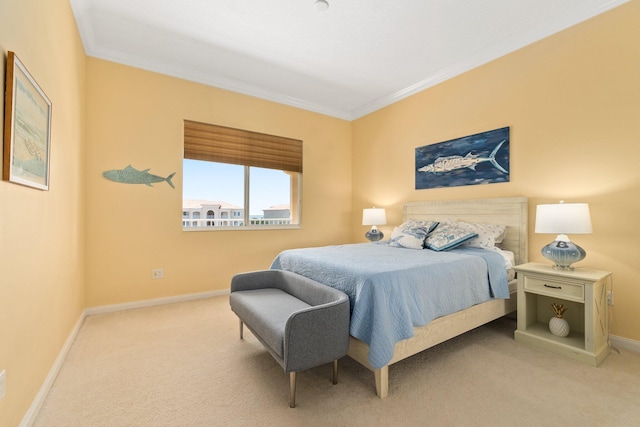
(32, 412)
(153, 302)
(624, 343)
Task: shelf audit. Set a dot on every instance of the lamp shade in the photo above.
(563, 218)
(374, 216)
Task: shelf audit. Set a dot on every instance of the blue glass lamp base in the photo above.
(563, 254)
(374, 235)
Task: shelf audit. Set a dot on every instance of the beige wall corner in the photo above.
(42, 232)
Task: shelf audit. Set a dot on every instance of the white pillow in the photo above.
(509, 257)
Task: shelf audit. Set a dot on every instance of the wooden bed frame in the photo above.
(513, 213)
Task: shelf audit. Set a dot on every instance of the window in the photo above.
(238, 178)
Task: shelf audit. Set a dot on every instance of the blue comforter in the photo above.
(392, 290)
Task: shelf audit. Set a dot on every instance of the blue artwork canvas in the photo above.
(482, 158)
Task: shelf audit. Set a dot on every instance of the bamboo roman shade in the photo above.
(215, 143)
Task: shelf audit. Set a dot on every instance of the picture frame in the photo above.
(482, 158)
(27, 128)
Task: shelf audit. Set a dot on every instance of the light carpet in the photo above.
(183, 364)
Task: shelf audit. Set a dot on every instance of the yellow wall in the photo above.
(572, 102)
(136, 117)
(42, 232)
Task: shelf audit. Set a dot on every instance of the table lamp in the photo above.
(374, 217)
(562, 219)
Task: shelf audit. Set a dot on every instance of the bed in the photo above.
(388, 296)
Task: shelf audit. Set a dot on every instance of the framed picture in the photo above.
(27, 128)
(482, 158)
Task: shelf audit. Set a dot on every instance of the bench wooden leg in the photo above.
(241, 329)
(292, 392)
(335, 371)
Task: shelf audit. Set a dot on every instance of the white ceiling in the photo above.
(352, 59)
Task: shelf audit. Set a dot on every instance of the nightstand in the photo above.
(583, 291)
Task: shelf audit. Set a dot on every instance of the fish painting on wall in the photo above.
(482, 158)
(130, 175)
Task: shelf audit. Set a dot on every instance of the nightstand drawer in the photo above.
(554, 288)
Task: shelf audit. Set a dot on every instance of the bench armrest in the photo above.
(316, 335)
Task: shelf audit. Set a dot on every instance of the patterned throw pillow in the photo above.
(411, 234)
(489, 235)
(448, 236)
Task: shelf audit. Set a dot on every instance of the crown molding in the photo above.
(587, 11)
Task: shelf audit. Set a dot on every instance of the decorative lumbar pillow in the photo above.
(489, 235)
(448, 236)
(411, 234)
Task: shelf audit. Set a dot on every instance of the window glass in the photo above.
(269, 196)
(214, 196)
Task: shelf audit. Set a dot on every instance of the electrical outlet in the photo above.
(157, 273)
(2, 376)
(610, 297)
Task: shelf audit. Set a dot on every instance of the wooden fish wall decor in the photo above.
(130, 175)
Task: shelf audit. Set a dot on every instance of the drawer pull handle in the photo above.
(552, 287)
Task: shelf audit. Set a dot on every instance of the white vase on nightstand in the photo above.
(559, 326)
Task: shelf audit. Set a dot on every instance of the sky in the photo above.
(224, 182)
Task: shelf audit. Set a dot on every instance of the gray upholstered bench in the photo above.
(301, 322)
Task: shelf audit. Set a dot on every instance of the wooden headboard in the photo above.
(510, 211)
